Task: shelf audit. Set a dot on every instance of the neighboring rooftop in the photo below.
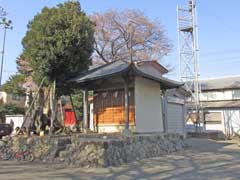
(220, 83)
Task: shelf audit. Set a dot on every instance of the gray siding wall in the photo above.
(175, 118)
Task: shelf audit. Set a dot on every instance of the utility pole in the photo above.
(188, 55)
(7, 25)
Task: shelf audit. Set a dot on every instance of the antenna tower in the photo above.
(188, 54)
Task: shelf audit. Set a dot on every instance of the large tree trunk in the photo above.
(53, 106)
(35, 110)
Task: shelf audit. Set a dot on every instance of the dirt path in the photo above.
(205, 159)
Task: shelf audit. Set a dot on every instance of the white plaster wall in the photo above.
(228, 95)
(17, 120)
(148, 106)
(113, 128)
(91, 125)
(232, 121)
(3, 96)
(216, 126)
(220, 95)
(209, 126)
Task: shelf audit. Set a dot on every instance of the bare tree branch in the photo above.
(120, 34)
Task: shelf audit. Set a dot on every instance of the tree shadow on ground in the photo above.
(204, 159)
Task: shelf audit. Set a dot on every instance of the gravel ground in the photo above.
(203, 159)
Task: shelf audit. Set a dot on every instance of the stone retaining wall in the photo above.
(100, 150)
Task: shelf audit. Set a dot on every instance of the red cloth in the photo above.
(69, 118)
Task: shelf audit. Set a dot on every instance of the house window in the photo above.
(236, 94)
(209, 96)
(212, 96)
(213, 117)
(203, 97)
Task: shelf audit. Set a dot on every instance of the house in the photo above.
(220, 102)
(174, 110)
(7, 98)
(129, 96)
(17, 120)
(19, 101)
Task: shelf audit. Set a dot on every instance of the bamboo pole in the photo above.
(62, 116)
(53, 110)
(34, 99)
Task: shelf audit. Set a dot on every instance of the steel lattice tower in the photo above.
(188, 53)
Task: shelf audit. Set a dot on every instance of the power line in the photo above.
(9, 71)
(233, 60)
(220, 59)
(221, 52)
(47, 2)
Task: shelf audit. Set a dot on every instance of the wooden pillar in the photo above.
(164, 111)
(126, 105)
(185, 117)
(85, 110)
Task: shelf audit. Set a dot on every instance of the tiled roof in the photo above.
(220, 83)
(120, 67)
(102, 71)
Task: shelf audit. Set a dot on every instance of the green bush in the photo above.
(10, 109)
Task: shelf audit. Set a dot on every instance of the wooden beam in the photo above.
(85, 110)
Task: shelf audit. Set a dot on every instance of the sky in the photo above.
(218, 30)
